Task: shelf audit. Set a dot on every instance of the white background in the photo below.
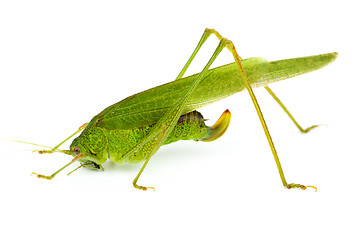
(62, 62)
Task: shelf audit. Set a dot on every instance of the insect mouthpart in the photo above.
(95, 165)
(91, 165)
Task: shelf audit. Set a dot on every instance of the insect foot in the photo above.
(309, 128)
(145, 188)
(42, 176)
(43, 151)
(294, 185)
(142, 187)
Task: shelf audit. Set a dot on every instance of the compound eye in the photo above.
(77, 151)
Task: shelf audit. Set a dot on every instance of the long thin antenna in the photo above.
(39, 145)
(26, 143)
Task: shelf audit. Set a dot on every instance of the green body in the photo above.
(118, 128)
(134, 129)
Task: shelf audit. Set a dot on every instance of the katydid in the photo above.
(132, 130)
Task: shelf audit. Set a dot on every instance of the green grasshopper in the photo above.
(132, 130)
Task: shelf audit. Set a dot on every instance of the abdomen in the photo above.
(189, 126)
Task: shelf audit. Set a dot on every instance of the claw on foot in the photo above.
(316, 189)
(42, 176)
(294, 185)
(146, 188)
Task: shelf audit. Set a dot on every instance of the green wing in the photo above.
(149, 106)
